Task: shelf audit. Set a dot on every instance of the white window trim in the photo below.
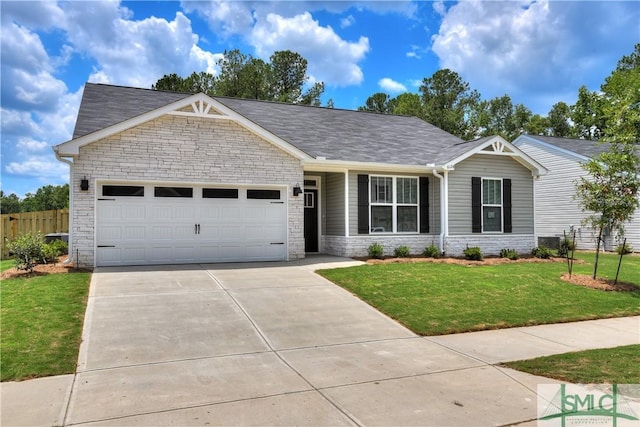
(394, 204)
(489, 205)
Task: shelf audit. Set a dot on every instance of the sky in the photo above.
(537, 52)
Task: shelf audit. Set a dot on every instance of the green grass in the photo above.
(620, 365)
(434, 299)
(6, 264)
(42, 320)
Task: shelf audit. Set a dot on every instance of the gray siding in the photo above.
(490, 166)
(334, 193)
(556, 208)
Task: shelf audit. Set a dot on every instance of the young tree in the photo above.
(610, 192)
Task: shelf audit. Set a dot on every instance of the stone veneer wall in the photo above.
(185, 150)
(357, 246)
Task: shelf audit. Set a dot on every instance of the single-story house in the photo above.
(164, 177)
(557, 209)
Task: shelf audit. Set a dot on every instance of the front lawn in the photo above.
(434, 299)
(42, 320)
(620, 365)
(6, 264)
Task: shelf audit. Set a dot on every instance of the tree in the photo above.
(377, 103)
(447, 101)
(538, 125)
(408, 104)
(558, 119)
(586, 115)
(243, 76)
(46, 198)
(9, 203)
(610, 192)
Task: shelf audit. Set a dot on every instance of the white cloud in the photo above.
(30, 144)
(331, 59)
(526, 47)
(38, 166)
(347, 22)
(391, 86)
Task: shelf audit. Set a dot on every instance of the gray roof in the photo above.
(320, 132)
(584, 147)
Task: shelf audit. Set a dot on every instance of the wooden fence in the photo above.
(44, 222)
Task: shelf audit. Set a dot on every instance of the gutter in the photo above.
(444, 204)
(70, 243)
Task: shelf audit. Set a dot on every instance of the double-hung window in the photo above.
(394, 204)
(491, 205)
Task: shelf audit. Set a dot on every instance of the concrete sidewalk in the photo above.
(276, 344)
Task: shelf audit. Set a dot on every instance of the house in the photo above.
(163, 177)
(557, 210)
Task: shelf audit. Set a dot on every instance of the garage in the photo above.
(151, 223)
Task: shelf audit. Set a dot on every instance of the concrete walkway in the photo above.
(275, 344)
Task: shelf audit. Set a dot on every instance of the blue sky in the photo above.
(537, 52)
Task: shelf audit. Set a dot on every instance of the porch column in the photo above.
(346, 203)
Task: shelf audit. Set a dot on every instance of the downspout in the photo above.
(444, 208)
(70, 243)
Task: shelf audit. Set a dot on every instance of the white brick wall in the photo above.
(359, 245)
(490, 244)
(182, 150)
(454, 245)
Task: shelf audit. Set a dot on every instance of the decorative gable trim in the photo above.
(199, 105)
(498, 146)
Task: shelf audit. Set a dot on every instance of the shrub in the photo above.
(566, 246)
(624, 249)
(431, 251)
(401, 252)
(511, 254)
(541, 252)
(27, 251)
(473, 254)
(375, 250)
(52, 250)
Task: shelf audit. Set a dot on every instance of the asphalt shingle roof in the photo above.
(583, 147)
(320, 132)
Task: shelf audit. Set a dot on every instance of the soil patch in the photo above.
(42, 269)
(601, 284)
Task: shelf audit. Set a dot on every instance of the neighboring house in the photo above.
(163, 177)
(557, 210)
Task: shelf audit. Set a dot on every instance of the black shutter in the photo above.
(476, 204)
(424, 204)
(363, 204)
(506, 205)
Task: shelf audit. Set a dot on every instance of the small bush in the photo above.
(52, 250)
(511, 254)
(541, 252)
(375, 250)
(431, 251)
(27, 251)
(401, 252)
(473, 254)
(624, 249)
(566, 246)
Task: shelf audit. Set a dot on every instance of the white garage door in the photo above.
(157, 224)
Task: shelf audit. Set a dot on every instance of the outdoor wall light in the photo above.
(297, 190)
(84, 184)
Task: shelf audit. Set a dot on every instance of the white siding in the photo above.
(556, 208)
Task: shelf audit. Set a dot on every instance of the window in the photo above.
(123, 190)
(492, 205)
(263, 194)
(173, 192)
(219, 193)
(309, 200)
(394, 204)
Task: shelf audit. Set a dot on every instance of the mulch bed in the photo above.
(601, 284)
(42, 269)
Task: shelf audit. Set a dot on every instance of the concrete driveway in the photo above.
(276, 344)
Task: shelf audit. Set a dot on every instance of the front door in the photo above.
(311, 220)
